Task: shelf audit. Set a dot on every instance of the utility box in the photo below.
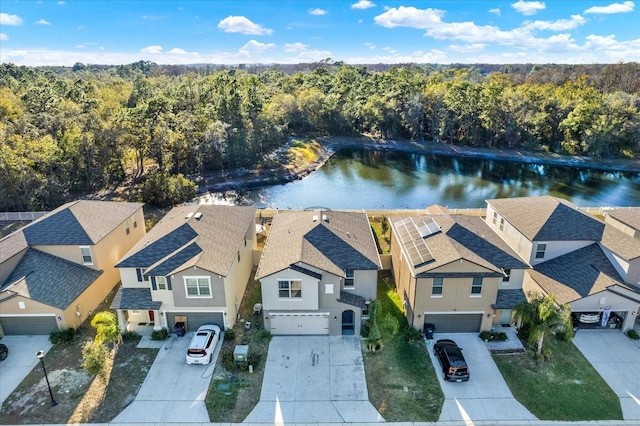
(241, 354)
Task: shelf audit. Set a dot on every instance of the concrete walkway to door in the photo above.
(314, 379)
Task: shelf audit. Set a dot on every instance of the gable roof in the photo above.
(576, 274)
(548, 218)
(49, 279)
(460, 237)
(83, 222)
(622, 244)
(329, 240)
(629, 216)
(206, 236)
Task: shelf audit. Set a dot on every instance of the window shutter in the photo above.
(153, 283)
(139, 274)
(169, 283)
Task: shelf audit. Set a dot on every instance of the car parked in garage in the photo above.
(203, 344)
(454, 366)
(589, 317)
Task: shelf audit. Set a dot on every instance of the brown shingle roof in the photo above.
(343, 240)
(629, 216)
(622, 244)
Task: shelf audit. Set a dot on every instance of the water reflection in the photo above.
(366, 179)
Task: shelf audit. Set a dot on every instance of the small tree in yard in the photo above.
(94, 358)
(379, 322)
(543, 316)
(95, 354)
(106, 325)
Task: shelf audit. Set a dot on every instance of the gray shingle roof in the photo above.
(134, 298)
(507, 299)
(11, 245)
(576, 274)
(352, 299)
(206, 236)
(547, 218)
(49, 279)
(622, 244)
(343, 240)
(629, 216)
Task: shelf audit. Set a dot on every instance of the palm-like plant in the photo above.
(106, 325)
(543, 315)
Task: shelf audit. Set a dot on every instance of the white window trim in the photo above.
(84, 262)
(198, 296)
(437, 296)
(472, 286)
(158, 283)
(289, 280)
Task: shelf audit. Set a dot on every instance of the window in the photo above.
(495, 217)
(86, 255)
(126, 231)
(349, 281)
(502, 224)
(161, 282)
(540, 249)
(328, 289)
(290, 289)
(436, 289)
(238, 255)
(507, 273)
(476, 286)
(197, 287)
(135, 223)
(140, 274)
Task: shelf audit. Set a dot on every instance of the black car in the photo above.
(4, 352)
(454, 367)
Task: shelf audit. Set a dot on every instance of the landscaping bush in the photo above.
(62, 336)
(633, 335)
(492, 336)
(94, 358)
(412, 334)
(229, 334)
(159, 334)
(130, 336)
(523, 333)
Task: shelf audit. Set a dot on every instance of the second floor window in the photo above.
(161, 282)
(507, 275)
(86, 255)
(540, 249)
(290, 289)
(349, 280)
(502, 224)
(495, 217)
(197, 286)
(476, 286)
(436, 289)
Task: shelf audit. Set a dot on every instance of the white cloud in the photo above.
(528, 7)
(3, 36)
(625, 7)
(468, 48)
(495, 11)
(42, 22)
(363, 4)
(253, 47)
(6, 19)
(152, 49)
(409, 17)
(242, 25)
(317, 11)
(559, 25)
(295, 47)
(177, 51)
(370, 45)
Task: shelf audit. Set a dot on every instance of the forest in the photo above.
(70, 131)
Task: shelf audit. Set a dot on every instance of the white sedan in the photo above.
(589, 317)
(203, 344)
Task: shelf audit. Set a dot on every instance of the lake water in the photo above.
(366, 179)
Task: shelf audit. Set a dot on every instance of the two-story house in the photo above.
(192, 267)
(454, 272)
(56, 270)
(625, 219)
(318, 272)
(581, 260)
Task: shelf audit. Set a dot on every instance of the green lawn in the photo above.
(566, 387)
(401, 380)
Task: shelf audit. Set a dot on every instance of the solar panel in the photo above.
(413, 235)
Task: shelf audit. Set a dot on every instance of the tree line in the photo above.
(70, 131)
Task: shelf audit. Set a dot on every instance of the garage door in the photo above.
(28, 325)
(196, 319)
(455, 323)
(299, 323)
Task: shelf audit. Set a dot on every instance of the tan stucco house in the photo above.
(454, 272)
(318, 272)
(625, 219)
(581, 260)
(192, 267)
(55, 271)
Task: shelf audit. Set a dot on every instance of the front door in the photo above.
(151, 317)
(505, 316)
(348, 327)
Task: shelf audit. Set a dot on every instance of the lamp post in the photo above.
(40, 355)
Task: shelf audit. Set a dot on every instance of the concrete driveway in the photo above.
(21, 360)
(486, 396)
(173, 391)
(314, 379)
(617, 359)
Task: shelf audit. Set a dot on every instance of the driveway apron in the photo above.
(314, 379)
(486, 396)
(173, 391)
(617, 359)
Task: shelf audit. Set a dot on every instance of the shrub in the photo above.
(130, 336)
(493, 336)
(412, 334)
(159, 334)
(633, 335)
(523, 332)
(94, 358)
(164, 190)
(65, 336)
(229, 334)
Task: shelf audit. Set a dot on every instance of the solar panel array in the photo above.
(412, 234)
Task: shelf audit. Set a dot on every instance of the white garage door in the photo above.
(299, 323)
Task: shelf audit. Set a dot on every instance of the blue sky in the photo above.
(356, 31)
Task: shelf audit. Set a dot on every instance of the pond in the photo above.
(367, 179)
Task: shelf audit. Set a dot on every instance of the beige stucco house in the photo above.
(318, 272)
(192, 267)
(625, 219)
(454, 272)
(581, 260)
(55, 271)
